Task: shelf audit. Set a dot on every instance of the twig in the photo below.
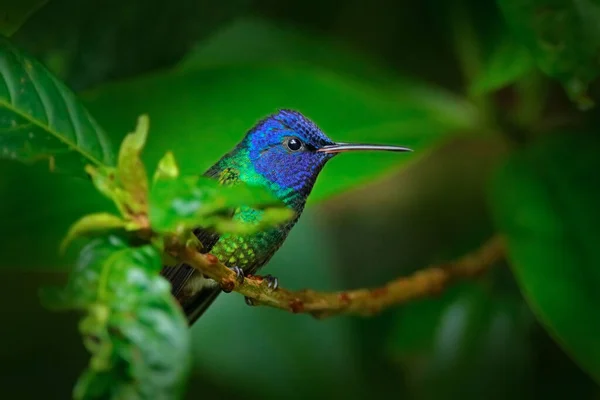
(424, 283)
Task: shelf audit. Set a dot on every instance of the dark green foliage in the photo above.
(14, 13)
(549, 212)
(563, 37)
(468, 84)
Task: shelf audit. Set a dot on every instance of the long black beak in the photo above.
(343, 147)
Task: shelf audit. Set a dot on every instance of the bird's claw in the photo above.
(272, 282)
(239, 274)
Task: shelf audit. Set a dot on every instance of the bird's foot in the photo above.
(239, 274)
(272, 282)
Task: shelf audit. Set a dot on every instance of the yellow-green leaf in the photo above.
(93, 223)
(132, 175)
(167, 168)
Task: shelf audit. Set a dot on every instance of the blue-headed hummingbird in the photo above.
(284, 153)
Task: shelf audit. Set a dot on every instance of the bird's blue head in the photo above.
(283, 148)
(289, 150)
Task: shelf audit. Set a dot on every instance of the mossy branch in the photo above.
(424, 283)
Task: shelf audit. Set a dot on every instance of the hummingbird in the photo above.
(284, 153)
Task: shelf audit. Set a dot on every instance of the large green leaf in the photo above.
(134, 328)
(250, 69)
(563, 37)
(41, 119)
(14, 13)
(201, 114)
(546, 201)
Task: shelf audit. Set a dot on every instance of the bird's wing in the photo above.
(179, 274)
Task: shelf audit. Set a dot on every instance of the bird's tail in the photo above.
(193, 305)
(201, 301)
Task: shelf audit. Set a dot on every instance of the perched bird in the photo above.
(285, 153)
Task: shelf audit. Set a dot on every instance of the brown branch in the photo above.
(424, 283)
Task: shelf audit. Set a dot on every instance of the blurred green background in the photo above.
(444, 77)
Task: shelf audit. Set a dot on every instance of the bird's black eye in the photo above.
(294, 144)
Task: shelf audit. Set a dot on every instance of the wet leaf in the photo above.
(134, 329)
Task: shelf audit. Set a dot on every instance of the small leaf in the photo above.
(134, 329)
(185, 203)
(92, 223)
(105, 181)
(41, 119)
(563, 37)
(131, 170)
(127, 184)
(268, 218)
(545, 200)
(14, 14)
(167, 168)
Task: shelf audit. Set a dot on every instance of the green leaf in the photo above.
(252, 68)
(167, 168)
(508, 62)
(209, 110)
(127, 184)
(265, 219)
(545, 200)
(184, 203)
(92, 223)
(131, 170)
(41, 119)
(133, 328)
(14, 14)
(563, 37)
